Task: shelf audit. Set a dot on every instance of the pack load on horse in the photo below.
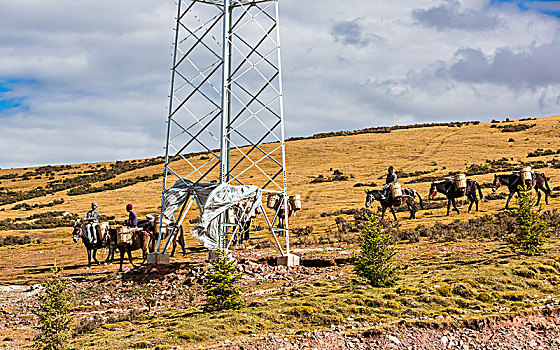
(450, 188)
(102, 237)
(130, 238)
(396, 190)
(124, 234)
(461, 181)
(516, 180)
(295, 200)
(404, 196)
(527, 174)
(272, 201)
(275, 201)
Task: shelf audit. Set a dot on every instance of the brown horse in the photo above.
(140, 241)
(389, 202)
(515, 181)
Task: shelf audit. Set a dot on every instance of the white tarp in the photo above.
(215, 199)
(176, 195)
(221, 199)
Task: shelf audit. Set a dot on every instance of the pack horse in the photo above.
(457, 187)
(396, 198)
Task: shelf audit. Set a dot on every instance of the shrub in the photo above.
(516, 128)
(54, 321)
(444, 290)
(530, 237)
(222, 291)
(463, 289)
(373, 262)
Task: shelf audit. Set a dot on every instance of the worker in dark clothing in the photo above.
(391, 179)
(132, 218)
(92, 218)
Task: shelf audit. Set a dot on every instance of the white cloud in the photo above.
(94, 74)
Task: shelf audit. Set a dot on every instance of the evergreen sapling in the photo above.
(373, 262)
(222, 289)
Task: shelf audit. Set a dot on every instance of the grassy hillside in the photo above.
(419, 154)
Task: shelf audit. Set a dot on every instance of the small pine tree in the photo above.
(54, 321)
(222, 290)
(531, 235)
(373, 262)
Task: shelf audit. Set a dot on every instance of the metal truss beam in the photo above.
(226, 101)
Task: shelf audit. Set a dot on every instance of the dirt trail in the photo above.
(431, 149)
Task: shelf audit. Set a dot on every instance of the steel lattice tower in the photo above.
(226, 102)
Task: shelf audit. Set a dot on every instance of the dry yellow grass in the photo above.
(365, 156)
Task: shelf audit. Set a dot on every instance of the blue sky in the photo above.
(548, 7)
(84, 81)
(8, 104)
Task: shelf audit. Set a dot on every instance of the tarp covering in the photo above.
(176, 195)
(215, 199)
(221, 199)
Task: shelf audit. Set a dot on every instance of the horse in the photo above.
(448, 188)
(140, 240)
(280, 209)
(515, 181)
(389, 202)
(169, 226)
(104, 239)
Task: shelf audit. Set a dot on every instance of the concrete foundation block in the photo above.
(288, 260)
(158, 259)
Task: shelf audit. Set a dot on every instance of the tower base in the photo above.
(157, 259)
(288, 260)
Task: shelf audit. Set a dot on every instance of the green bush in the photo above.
(373, 262)
(531, 236)
(222, 290)
(54, 321)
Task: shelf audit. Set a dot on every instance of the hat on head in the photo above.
(94, 204)
(391, 168)
(129, 206)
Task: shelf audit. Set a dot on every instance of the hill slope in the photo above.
(34, 200)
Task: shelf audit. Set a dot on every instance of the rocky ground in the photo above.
(103, 297)
(534, 332)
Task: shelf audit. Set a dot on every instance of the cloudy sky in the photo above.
(87, 80)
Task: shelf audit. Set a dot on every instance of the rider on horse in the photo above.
(391, 179)
(132, 218)
(92, 218)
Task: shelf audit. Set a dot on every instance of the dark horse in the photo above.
(448, 188)
(515, 181)
(389, 202)
(107, 239)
